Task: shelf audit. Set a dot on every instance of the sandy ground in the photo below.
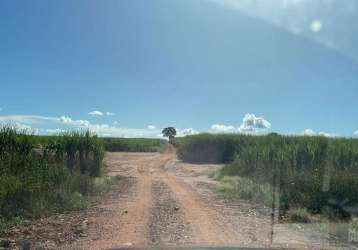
(160, 201)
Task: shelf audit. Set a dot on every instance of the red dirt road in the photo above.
(131, 221)
(164, 202)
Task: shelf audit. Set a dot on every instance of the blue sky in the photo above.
(130, 68)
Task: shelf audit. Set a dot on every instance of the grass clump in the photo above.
(299, 215)
(102, 184)
(243, 188)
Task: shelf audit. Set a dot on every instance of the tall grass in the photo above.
(317, 173)
(209, 148)
(81, 150)
(38, 176)
(134, 144)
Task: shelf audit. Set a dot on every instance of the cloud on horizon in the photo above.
(221, 128)
(251, 124)
(55, 125)
(311, 132)
(186, 131)
(51, 125)
(355, 133)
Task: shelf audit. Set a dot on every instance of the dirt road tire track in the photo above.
(205, 229)
(127, 218)
(167, 224)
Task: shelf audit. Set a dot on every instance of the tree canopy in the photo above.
(169, 132)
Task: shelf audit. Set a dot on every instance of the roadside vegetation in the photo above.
(42, 175)
(134, 144)
(313, 176)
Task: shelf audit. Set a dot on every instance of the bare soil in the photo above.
(161, 201)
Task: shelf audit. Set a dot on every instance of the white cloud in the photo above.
(22, 126)
(253, 124)
(221, 128)
(78, 123)
(95, 113)
(250, 124)
(186, 131)
(28, 119)
(54, 131)
(355, 133)
(100, 113)
(316, 25)
(151, 127)
(115, 122)
(325, 134)
(51, 124)
(309, 132)
(65, 119)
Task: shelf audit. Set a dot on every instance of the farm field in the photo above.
(311, 175)
(162, 202)
(134, 144)
(223, 195)
(45, 175)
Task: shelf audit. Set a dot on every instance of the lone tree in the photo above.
(169, 132)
